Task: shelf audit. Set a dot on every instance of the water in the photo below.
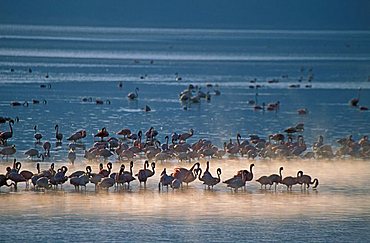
(89, 62)
(338, 211)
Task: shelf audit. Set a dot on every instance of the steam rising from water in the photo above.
(343, 192)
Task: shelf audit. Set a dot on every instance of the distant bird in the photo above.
(355, 101)
(102, 134)
(302, 111)
(124, 132)
(37, 135)
(47, 147)
(364, 108)
(4, 136)
(72, 156)
(101, 102)
(58, 135)
(133, 95)
(147, 108)
(184, 136)
(45, 86)
(17, 103)
(77, 136)
(38, 102)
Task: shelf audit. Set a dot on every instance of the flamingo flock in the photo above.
(103, 179)
(127, 145)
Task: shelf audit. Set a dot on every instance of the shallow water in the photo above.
(89, 62)
(337, 211)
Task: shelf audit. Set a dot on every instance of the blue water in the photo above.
(90, 62)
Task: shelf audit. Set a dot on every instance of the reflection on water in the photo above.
(338, 208)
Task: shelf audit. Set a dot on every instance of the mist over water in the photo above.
(84, 62)
(338, 208)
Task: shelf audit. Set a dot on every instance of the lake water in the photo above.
(90, 62)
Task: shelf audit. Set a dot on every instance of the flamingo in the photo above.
(60, 177)
(124, 132)
(96, 179)
(47, 146)
(176, 184)
(58, 135)
(104, 172)
(236, 182)
(25, 173)
(79, 173)
(4, 136)
(264, 180)
(289, 181)
(185, 175)
(15, 177)
(206, 173)
(3, 181)
(248, 174)
(306, 180)
(276, 179)
(45, 173)
(72, 156)
(77, 136)
(34, 153)
(133, 95)
(106, 183)
(145, 173)
(165, 180)
(37, 135)
(165, 145)
(243, 143)
(209, 180)
(118, 176)
(221, 152)
(184, 136)
(127, 176)
(8, 151)
(102, 133)
(78, 181)
(43, 182)
(233, 149)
